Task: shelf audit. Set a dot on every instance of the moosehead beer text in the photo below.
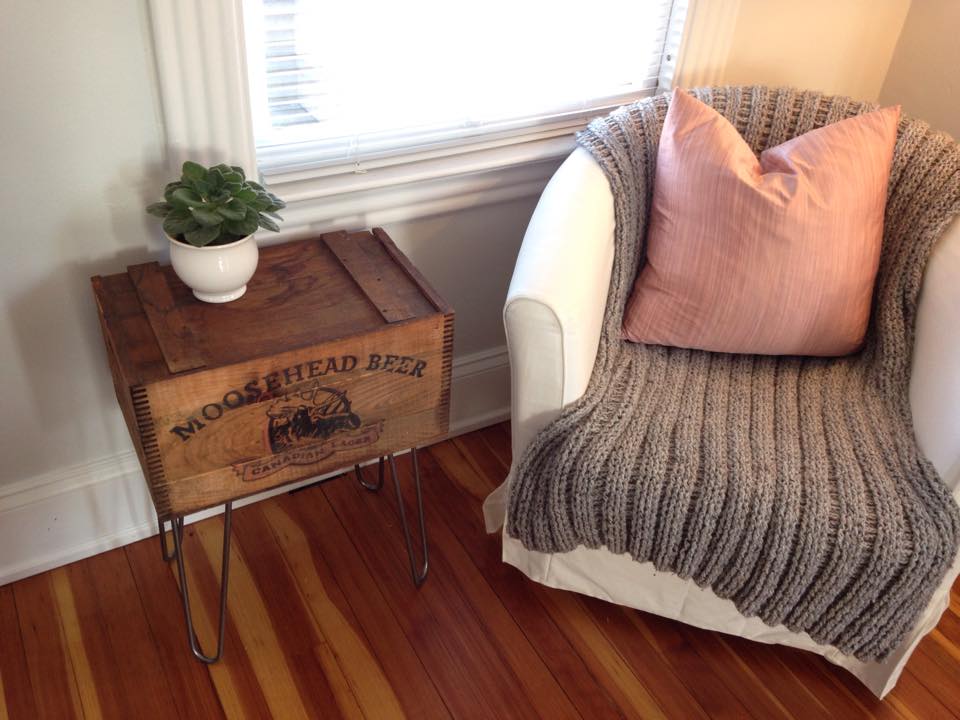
(280, 382)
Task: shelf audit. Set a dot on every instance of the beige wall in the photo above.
(836, 46)
(924, 74)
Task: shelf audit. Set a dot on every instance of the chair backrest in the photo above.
(923, 194)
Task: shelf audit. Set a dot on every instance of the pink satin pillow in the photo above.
(775, 257)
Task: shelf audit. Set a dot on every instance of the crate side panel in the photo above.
(254, 425)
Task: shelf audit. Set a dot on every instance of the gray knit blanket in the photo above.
(792, 486)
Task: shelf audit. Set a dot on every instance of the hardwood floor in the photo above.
(324, 622)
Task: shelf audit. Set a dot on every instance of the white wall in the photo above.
(80, 144)
(82, 151)
(924, 74)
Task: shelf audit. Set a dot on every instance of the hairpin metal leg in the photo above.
(372, 487)
(176, 526)
(185, 592)
(418, 575)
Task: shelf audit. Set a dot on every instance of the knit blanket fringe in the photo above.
(792, 486)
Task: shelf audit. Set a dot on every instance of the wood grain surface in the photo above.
(339, 352)
(324, 623)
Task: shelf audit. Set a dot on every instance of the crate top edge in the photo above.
(125, 322)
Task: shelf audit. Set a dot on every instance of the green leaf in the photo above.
(240, 227)
(233, 210)
(255, 186)
(179, 222)
(249, 224)
(247, 195)
(159, 209)
(203, 236)
(262, 202)
(194, 171)
(201, 186)
(277, 202)
(215, 179)
(234, 177)
(207, 218)
(186, 198)
(269, 224)
(238, 169)
(272, 214)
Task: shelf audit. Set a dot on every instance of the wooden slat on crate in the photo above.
(181, 349)
(410, 269)
(387, 287)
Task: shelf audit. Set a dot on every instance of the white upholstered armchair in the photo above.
(553, 317)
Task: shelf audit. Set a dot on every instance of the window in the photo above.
(339, 87)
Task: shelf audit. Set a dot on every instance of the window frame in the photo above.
(203, 77)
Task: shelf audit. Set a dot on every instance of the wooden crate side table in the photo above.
(339, 352)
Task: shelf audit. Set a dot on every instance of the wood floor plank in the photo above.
(252, 622)
(845, 684)
(765, 664)
(497, 439)
(949, 628)
(915, 699)
(455, 566)
(791, 696)
(669, 642)
(189, 681)
(16, 693)
(48, 660)
(4, 715)
(237, 684)
(104, 700)
(606, 663)
(937, 669)
(324, 621)
(494, 690)
(485, 464)
(734, 673)
(477, 471)
(813, 673)
(106, 597)
(449, 499)
(309, 624)
(335, 561)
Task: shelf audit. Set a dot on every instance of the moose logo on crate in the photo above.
(317, 412)
(304, 420)
(307, 426)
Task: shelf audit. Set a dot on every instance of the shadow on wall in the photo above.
(468, 255)
(56, 330)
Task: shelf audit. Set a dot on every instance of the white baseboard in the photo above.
(79, 511)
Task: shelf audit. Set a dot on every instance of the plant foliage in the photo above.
(215, 206)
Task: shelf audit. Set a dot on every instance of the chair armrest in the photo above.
(554, 308)
(935, 376)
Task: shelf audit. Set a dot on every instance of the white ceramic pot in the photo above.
(218, 273)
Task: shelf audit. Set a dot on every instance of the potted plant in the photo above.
(210, 216)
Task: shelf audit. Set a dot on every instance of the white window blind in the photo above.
(357, 83)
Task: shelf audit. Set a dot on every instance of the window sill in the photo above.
(419, 186)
